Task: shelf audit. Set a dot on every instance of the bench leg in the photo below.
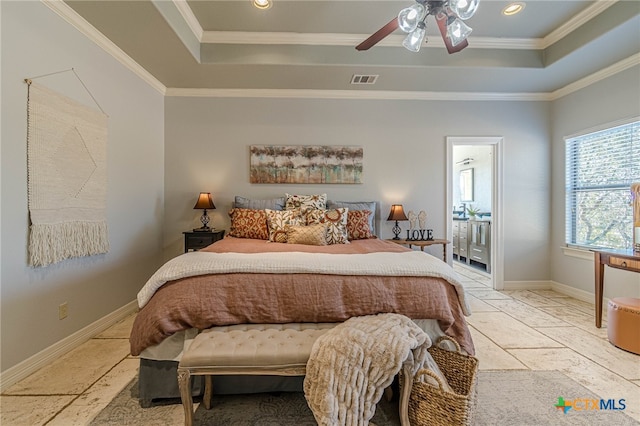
(208, 391)
(184, 383)
(405, 393)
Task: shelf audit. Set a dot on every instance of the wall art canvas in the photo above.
(67, 178)
(306, 164)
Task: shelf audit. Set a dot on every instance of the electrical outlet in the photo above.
(63, 310)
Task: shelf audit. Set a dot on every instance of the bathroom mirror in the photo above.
(466, 185)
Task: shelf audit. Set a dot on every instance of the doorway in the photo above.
(474, 205)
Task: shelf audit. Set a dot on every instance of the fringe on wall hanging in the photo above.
(67, 177)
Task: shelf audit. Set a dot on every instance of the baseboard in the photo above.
(527, 285)
(576, 293)
(32, 364)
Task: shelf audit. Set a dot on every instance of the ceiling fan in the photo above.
(449, 14)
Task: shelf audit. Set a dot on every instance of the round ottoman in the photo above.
(623, 323)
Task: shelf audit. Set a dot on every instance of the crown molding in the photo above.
(352, 40)
(622, 65)
(189, 17)
(577, 21)
(78, 22)
(355, 94)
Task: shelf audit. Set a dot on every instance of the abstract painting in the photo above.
(306, 164)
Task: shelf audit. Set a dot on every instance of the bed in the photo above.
(241, 280)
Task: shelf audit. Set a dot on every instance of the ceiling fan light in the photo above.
(465, 9)
(458, 31)
(409, 17)
(413, 41)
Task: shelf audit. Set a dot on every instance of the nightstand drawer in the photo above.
(199, 240)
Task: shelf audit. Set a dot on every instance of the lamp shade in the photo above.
(397, 213)
(204, 201)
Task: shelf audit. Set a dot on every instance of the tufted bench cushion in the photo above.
(269, 349)
(254, 346)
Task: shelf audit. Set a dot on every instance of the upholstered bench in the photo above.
(251, 349)
(623, 323)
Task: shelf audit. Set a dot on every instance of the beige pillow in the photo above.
(305, 202)
(312, 235)
(336, 222)
(277, 221)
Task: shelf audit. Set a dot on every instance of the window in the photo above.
(600, 168)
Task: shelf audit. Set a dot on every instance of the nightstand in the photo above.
(195, 240)
(424, 243)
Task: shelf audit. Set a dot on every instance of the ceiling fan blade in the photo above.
(441, 18)
(379, 35)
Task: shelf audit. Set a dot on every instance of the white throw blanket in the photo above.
(408, 264)
(352, 364)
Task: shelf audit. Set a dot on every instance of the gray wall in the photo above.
(612, 99)
(207, 149)
(36, 41)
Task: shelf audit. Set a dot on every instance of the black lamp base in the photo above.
(396, 231)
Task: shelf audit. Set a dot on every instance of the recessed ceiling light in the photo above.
(513, 8)
(262, 4)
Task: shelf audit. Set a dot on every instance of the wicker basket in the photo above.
(433, 406)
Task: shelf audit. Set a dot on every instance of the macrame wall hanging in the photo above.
(67, 176)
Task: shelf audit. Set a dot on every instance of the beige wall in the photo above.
(207, 149)
(610, 100)
(36, 41)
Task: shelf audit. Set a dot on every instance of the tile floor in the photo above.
(538, 330)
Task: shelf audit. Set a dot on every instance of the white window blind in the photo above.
(600, 168)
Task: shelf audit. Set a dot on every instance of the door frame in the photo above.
(497, 226)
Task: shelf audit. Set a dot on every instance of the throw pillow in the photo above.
(336, 222)
(306, 202)
(313, 235)
(357, 205)
(278, 220)
(248, 223)
(358, 225)
(250, 203)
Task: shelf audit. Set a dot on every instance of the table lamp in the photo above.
(204, 202)
(397, 214)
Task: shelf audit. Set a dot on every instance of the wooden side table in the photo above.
(196, 240)
(424, 243)
(619, 259)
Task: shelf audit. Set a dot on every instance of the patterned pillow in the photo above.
(358, 225)
(313, 235)
(336, 221)
(247, 223)
(306, 202)
(357, 205)
(278, 220)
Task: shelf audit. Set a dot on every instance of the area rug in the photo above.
(518, 397)
(67, 178)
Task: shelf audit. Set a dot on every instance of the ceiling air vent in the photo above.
(364, 79)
